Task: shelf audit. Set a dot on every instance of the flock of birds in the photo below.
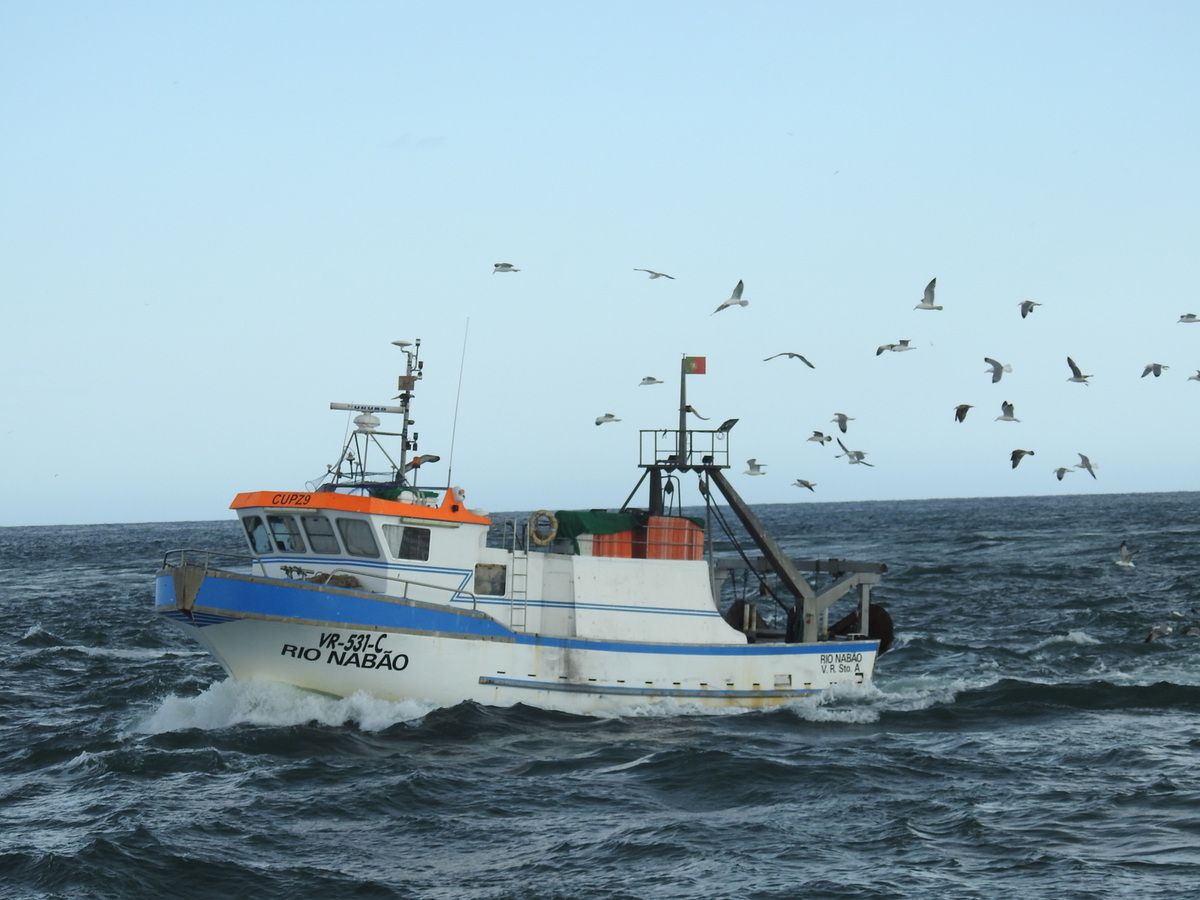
(995, 369)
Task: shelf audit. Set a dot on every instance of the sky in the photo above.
(214, 219)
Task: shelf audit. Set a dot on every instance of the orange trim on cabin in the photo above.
(449, 511)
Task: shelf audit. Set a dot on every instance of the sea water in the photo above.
(1021, 739)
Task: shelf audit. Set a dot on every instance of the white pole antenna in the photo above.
(457, 396)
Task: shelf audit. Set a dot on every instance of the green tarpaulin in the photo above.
(574, 522)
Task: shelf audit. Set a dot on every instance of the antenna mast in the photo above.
(406, 383)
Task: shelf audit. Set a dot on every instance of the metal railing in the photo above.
(407, 582)
(184, 556)
(174, 559)
(660, 447)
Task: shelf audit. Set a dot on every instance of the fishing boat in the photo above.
(380, 580)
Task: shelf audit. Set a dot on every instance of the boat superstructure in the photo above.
(378, 581)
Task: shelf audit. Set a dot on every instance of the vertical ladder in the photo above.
(518, 595)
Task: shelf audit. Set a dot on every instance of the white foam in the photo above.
(229, 703)
(922, 692)
(36, 629)
(1071, 637)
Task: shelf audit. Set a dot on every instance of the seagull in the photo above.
(1062, 471)
(1018, 455)
(1156, 368)
(504, 267)
(607, 417)
(1158, 631)
(842, 419)
(649, 379)
(692, 410)
(735, 299)
(654, 274)
(1027, 307)
(801, 483)
(1085, 463)
(895, 348)
(998, 368)
(1195, 377)
(820, 437)
(790, 355)
(1124, 557)
(754, 467)
(1076, 374)
(927, 300)
(1006, 413)
(960, 412)
(1189, 318)
(854, 457)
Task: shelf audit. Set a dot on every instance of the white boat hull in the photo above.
(403, 650)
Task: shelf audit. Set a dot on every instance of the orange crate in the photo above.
(672, 537)
(618, 544)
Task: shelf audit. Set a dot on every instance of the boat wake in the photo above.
(229, 703)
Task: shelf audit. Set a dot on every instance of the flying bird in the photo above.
(1062, 471)
(820, 437)
(927, 300)
(895, 348)
(801, 483)
(1124, 556)
(1027, 307)
(790, 355)
(1195, 377)
(1018, 455)
(960, 412)
(854, 457)
(842, 419)
(607, 417)
(998, 369)
(649, 379)
(754, 467)
(1189, 318)
(1006, 413)
(654, 274)
(1076, 374)
(735, 299)
(504, 267)
(1085, 463)
(1155, 368)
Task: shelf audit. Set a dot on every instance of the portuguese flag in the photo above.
(694, 365)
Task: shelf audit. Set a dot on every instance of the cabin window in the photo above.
(256, 533)
(320, 534)
(406, 542)
(489, 579)
(286, 533)
(356, 535)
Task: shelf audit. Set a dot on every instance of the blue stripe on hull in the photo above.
(279, 600)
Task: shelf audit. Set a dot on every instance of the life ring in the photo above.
(537, 537)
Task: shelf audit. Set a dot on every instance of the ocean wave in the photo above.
(230, 703)
(139, 653)
(1071, 637)
(37, 636)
